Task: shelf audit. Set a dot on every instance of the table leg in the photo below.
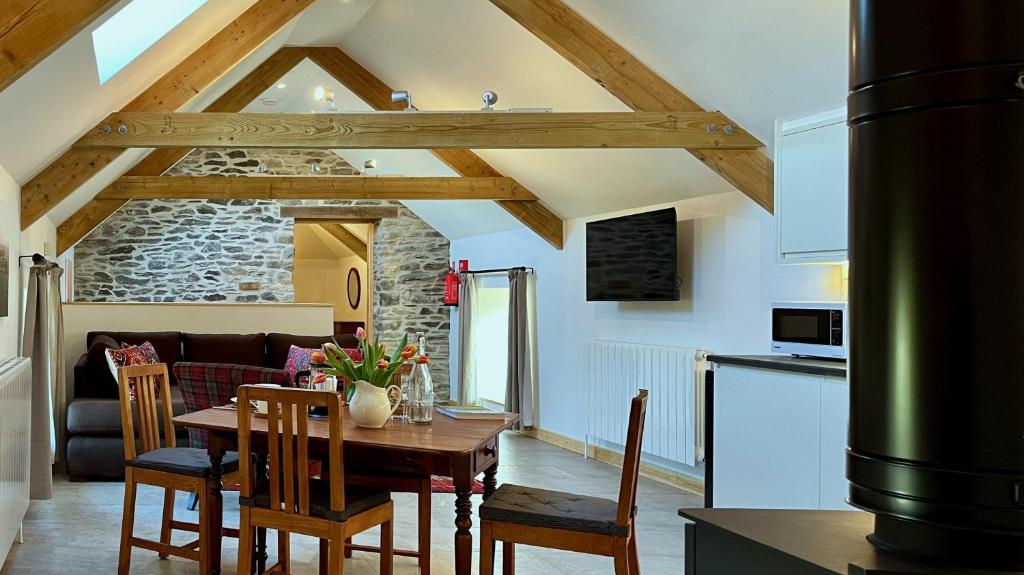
(215, 501)
(462, 474)
(260, 552)
(490, 480)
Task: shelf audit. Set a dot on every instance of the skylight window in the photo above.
(134, 29)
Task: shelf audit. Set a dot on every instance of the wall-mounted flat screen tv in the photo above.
(633, 258)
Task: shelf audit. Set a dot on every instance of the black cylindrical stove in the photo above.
(936, 112)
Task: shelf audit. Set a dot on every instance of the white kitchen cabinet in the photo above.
(835, 415)
(779, 439)
(811, 159)
(766, 439)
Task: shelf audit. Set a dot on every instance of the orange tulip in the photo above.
(319, 378)
(317, 357)
(382, 364)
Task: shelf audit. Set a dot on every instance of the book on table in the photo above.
(470, 412)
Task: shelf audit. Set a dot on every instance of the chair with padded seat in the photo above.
(288, 499)
(162, 464)
(204, 385)
(529, 516)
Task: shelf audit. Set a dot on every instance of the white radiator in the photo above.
(674, 376)
(15, 439)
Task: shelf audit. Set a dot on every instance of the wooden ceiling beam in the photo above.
(159, 161)
(370, 89)
(418, 130)
(636, 85)
(30, 30)
(313, 188)
(336, 214)
(347, 239)
(172, 91)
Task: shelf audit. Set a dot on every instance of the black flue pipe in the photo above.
(936, 115)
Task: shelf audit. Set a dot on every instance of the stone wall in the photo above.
(198, 250)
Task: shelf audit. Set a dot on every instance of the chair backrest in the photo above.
(150, 381)
(631, 458)
(288, 445)
(206, 385)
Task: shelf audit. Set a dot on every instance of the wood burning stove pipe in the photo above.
(936, 114)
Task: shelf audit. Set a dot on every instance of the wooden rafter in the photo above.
(31, 30)
(335, 214)
(377, 94)
(636, 85)
(176, 88)
(313, 188)
(159, 161)
(347, 239)
(417, 130)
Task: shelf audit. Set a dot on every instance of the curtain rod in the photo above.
(499, 270)
(37, 259)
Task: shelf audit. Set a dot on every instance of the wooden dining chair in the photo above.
(162, 464)
(556, 520)
(292, 501)
(401, 482)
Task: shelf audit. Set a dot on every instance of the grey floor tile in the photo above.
(77, 532)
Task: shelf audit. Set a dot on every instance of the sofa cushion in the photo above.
(132, 355)
(166, 343)
(278, 345)
(248, 349)
(97, 370)
(91, 416)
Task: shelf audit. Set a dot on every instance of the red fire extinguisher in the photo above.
(451, 287)
(451, 282)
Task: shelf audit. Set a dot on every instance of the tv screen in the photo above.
(633, 258)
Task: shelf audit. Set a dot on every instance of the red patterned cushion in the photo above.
(298, 360)
(144, 354)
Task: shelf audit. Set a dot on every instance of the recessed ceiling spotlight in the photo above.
(322, 94)
(282, 86)
(268, 101)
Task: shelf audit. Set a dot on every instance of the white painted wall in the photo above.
(734, 279)
(39, 237)
(10, 198)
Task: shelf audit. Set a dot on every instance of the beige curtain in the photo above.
(519, 392)
(467, 392)
(43, 341)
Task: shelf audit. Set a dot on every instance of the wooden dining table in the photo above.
(460, 449)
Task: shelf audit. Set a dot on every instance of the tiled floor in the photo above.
(77, 531)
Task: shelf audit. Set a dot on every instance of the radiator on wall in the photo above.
(15, 440)
(614, 371)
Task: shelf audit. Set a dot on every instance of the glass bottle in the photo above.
(420, 405)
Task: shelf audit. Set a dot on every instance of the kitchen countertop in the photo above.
(789, 363)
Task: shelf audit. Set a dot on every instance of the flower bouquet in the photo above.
(374, 367)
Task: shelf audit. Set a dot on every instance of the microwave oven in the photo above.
(813, 329)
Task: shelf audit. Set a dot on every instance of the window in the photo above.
(490, 348)
(134, 29)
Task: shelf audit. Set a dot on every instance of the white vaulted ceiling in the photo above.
(755, 60)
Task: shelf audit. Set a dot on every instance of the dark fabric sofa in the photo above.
(94, 448)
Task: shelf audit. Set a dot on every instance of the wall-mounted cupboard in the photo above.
(811, 160)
